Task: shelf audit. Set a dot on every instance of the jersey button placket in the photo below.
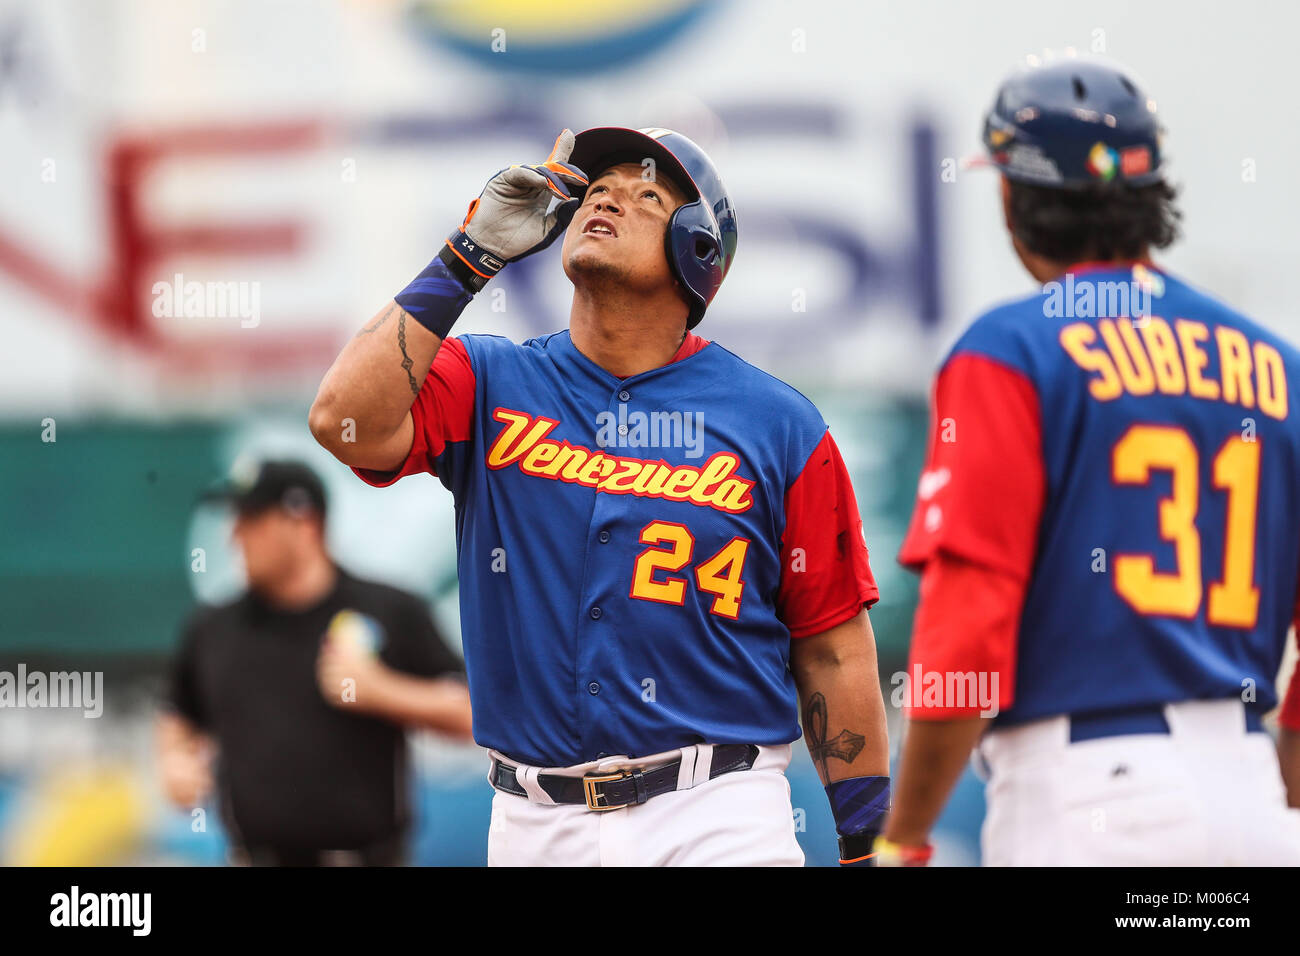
(604, 580)
(594, 637)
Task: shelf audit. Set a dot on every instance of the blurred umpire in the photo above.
(303, 686)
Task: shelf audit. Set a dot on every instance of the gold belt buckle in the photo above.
(594, 798)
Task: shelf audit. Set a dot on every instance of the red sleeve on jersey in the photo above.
(981, 493)
(1290, 714)
(443, 412)
(966, 623)
(825, 574)
(974, 531)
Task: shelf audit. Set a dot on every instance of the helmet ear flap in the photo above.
(672, 248)
(695, 252)
(706, 249)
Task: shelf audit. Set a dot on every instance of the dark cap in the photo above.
(257, 486)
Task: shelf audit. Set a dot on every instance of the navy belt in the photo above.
(1135, 720)
(621, 787)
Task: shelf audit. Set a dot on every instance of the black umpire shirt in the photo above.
(293, 771)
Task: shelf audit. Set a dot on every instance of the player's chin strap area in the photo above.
(621, 787)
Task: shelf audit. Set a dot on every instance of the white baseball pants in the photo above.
(1206, 794)
(738, 819)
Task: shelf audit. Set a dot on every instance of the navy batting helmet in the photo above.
(1071, 123)
(701, 236)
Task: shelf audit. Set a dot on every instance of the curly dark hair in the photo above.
(1100, 221)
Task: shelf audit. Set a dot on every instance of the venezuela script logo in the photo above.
(524, 443)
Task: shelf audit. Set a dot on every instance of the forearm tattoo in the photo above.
(378, 322)
(846, 745)
(407, 363)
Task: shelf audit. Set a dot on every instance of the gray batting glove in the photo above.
(512, 218)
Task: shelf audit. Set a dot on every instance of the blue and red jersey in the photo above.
(635, 554)
(1108, 514)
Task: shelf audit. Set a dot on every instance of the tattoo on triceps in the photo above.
(378, 322)
(407, 363)
(846, 745)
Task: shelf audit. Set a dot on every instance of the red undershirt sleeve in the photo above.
(825, 571)
(974, 530)
(442, 413)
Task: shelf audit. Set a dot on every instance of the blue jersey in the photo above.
(1125, 450)
(634, 554)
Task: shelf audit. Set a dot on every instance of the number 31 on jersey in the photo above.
(1233, 599)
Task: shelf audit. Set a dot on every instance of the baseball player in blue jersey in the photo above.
(1106, 527)
(659, 549)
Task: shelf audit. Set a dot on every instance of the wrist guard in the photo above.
(436, 297)
(859, 805)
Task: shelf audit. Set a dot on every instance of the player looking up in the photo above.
(658, 545)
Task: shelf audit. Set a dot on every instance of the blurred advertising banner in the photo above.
(222, 250)
(205, 200)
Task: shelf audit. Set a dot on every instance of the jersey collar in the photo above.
(691, 346)
(1118, 265)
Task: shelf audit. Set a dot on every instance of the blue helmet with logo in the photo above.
(701, 236)
(1074, 122)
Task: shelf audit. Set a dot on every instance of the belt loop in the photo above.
(686, 769)
(638, 781)
(703, 764)
(527, 778)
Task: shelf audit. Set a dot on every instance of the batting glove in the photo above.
(512, 217)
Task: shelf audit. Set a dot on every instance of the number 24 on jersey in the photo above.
(671, 547)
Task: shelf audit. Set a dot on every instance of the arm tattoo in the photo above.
(378, 322)
(406, 359)
(846, 745)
